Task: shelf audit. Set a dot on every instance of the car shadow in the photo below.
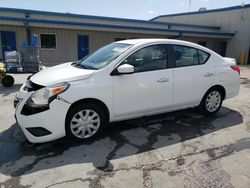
(119, 140)
(5, 91)
(245, 81)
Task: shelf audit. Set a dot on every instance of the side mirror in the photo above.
(126, 69)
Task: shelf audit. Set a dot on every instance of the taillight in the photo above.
(235, 68)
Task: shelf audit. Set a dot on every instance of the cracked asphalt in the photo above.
(178, 149)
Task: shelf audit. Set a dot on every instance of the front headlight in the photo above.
(45, 95)
(54, 90)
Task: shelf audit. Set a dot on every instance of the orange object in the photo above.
(242, 57)
(57, 90)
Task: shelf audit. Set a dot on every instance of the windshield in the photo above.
(104, 56)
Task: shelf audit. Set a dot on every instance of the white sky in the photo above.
(135, 9)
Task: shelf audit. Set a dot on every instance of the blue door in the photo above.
(8, 41)
(83, 46)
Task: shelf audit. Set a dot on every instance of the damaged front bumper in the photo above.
(40, 123)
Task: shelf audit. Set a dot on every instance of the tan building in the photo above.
(232, 19)
(66, 37)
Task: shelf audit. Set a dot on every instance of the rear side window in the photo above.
(185, 56)
(188, 56)
(203, 56)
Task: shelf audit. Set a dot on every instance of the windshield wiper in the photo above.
(89, 67)
(79, 64)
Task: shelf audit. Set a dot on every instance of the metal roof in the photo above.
(121, 26)
(26, 11)
(204, 11)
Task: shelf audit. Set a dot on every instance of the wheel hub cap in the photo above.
(213, 101)
(85, 123)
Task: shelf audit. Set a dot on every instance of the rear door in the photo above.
(193, 75)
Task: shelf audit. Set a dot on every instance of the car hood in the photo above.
(60, 73)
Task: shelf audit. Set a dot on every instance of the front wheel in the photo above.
(84, 122)
(211, 102)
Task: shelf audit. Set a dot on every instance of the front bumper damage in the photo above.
(40, 124)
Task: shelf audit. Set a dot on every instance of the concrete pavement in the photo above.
(179, 149)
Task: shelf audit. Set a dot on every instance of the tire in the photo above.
(8, 81)
(77, 124)
(211, 102)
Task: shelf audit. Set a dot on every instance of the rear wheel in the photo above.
(211, 102)
(7, 81)
(85, 121)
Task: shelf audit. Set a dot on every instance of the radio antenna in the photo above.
(189, 5)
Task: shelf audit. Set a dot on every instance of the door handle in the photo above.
(208, 74)
(163, 80)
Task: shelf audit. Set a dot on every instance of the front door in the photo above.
(8, 41)
(149, 89)
(82, 45)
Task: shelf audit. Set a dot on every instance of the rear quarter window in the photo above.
(203, 56)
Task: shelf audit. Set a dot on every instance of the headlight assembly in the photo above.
(52, 91)
(45, 95)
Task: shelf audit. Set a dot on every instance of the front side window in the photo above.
(48, 41)
(104, 56)
(185, 56)
(149, 58)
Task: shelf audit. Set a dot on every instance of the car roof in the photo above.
(158, 40)
(155, 40)
(141, 41)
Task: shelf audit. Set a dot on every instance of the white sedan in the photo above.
(123, 80)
